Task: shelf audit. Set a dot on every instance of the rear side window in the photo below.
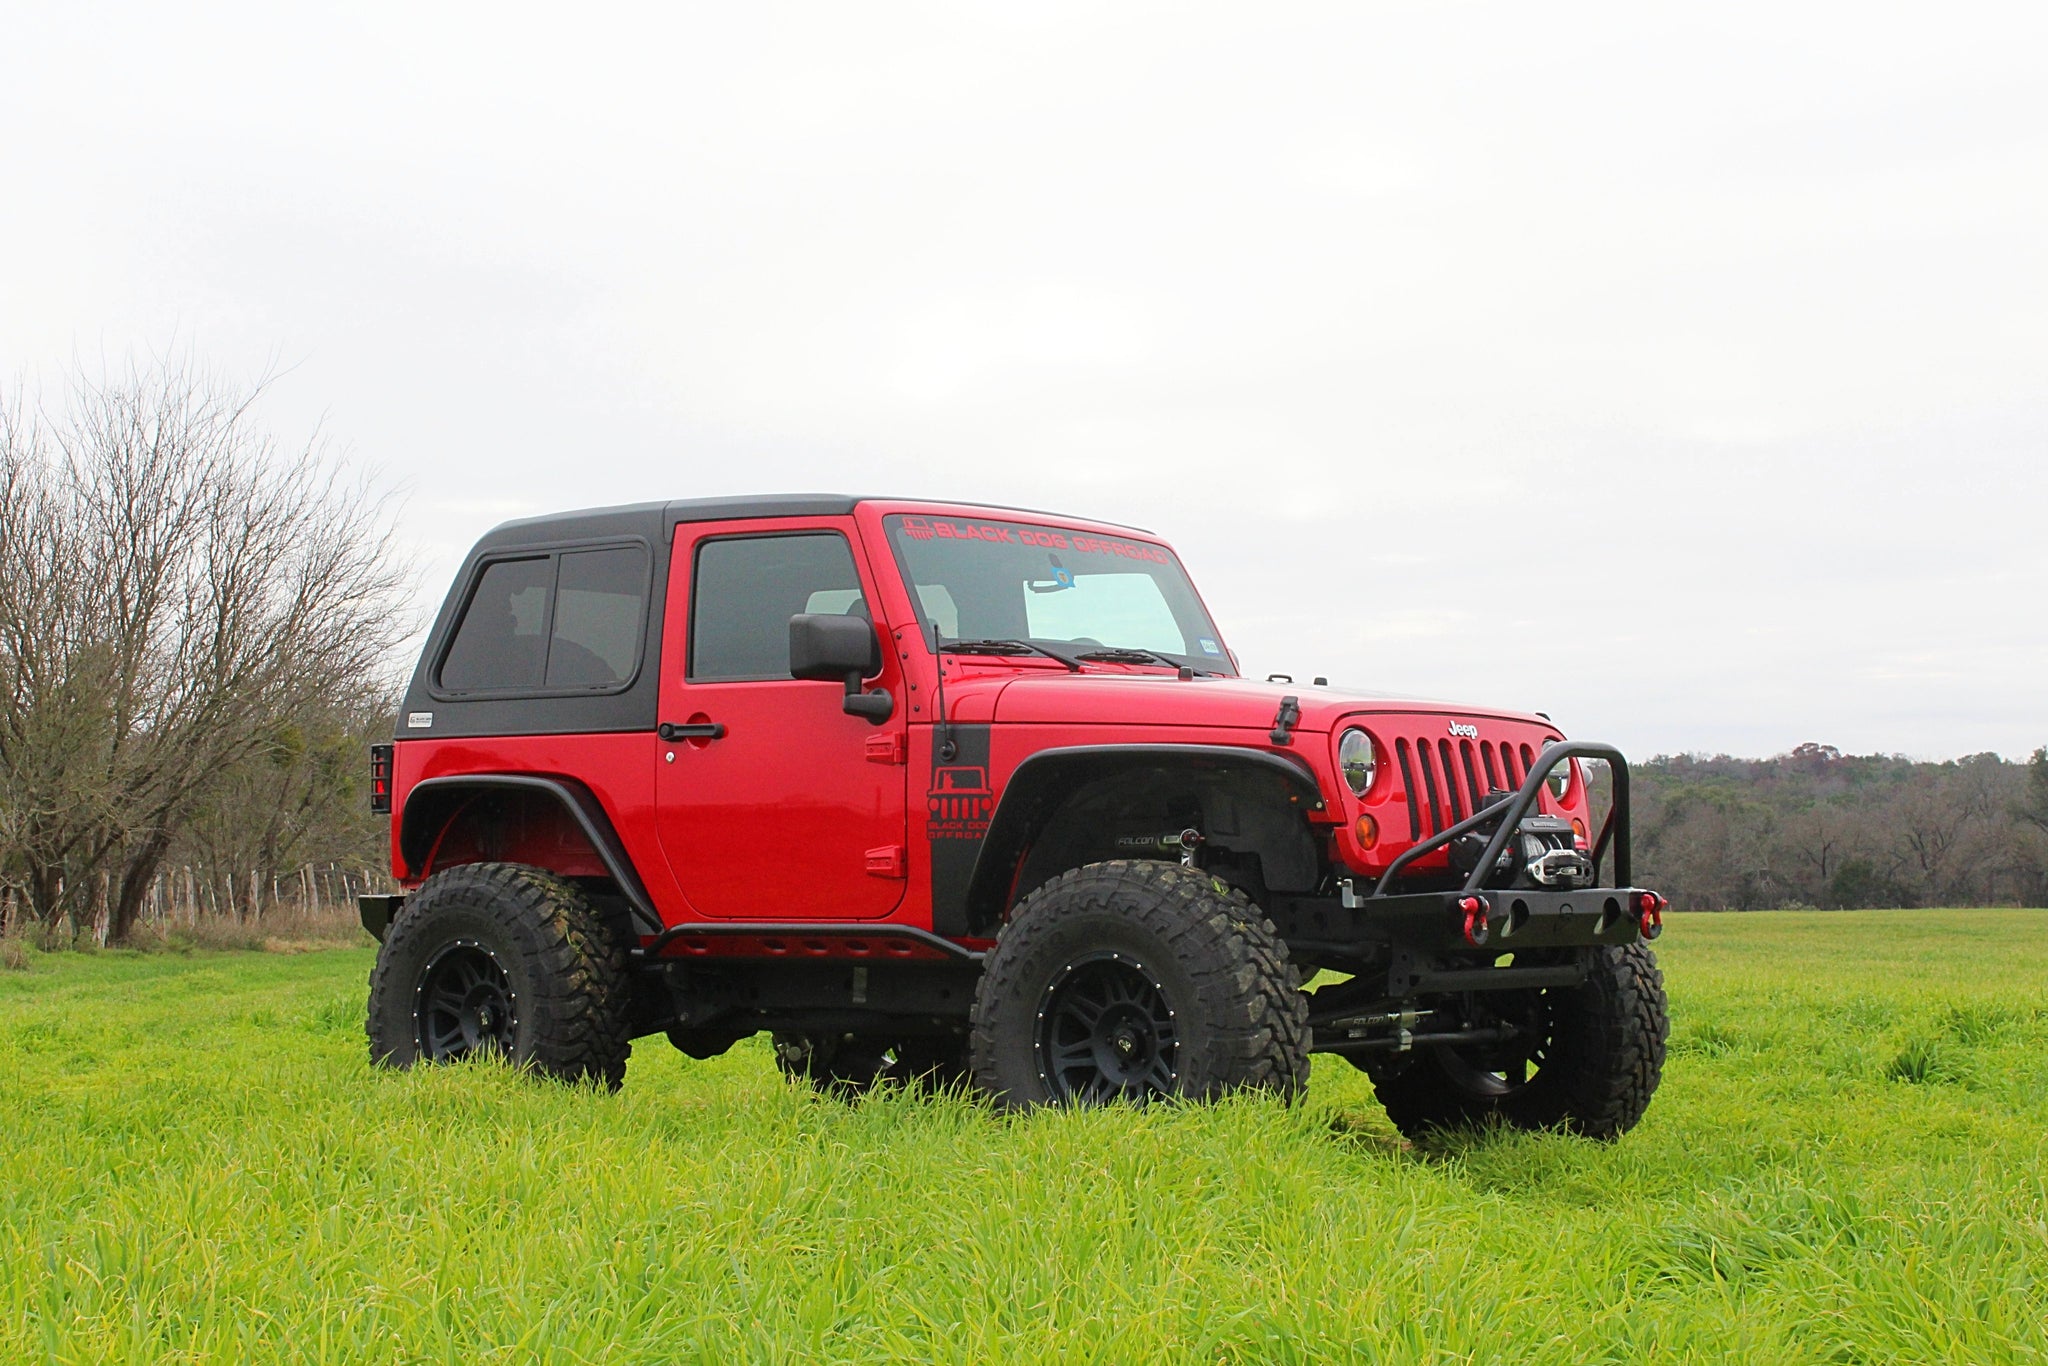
(502, 641)
(571, 621)
(600, 606)
(746, 589)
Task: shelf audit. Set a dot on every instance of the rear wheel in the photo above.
(1136, 980)
(1585, 1059)
(500, 958)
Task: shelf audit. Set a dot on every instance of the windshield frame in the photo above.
(1058, 536)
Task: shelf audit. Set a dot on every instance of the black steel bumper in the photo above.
(1437, 921)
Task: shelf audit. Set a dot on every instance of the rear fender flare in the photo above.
(431, 804)
(1045, 780)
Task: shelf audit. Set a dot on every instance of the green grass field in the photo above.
(1845, 1164)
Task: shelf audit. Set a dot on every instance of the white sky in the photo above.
(1681, 371)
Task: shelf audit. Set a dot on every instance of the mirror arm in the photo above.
(877, 706)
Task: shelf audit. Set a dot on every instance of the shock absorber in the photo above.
(1182, 843)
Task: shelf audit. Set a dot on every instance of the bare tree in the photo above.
(297, 798)
(174, 584)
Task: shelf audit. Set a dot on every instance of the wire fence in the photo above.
(186, 895)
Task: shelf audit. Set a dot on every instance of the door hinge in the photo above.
(887, 861)
(889, 749)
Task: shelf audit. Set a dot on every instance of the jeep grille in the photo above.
(1446, 780)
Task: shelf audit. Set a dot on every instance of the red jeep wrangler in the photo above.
(940, 792)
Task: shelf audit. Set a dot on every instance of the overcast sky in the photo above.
(1680, 371)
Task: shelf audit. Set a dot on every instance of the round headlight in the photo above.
(1560, 780)
(1358, 760)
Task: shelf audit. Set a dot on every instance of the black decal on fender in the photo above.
(958, 807)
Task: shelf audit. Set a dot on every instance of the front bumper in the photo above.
(1514, 920)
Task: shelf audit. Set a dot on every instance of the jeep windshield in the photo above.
(1086, 596)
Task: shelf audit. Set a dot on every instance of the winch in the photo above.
(1545, 848)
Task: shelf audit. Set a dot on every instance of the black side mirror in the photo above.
(832, 648)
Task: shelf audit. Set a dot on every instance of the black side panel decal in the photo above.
(958, 807)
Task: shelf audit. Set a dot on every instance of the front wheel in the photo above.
(500, 958)
(1134, 981)
(1585, 1060)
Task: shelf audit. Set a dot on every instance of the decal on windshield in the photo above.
(945, 529)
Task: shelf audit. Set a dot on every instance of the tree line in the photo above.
(197, 625)
(1820, 828)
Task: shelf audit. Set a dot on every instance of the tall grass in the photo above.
(1846, 1164)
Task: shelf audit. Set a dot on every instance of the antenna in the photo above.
(948, 751)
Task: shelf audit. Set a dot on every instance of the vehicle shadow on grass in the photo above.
(1365, 1133)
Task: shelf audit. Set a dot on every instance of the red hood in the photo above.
(1054, 696)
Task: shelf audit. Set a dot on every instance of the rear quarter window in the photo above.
(600, 611)
(502, 640)
(572, 621)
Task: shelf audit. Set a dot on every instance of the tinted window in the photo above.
(502, 641)
(600, 606)
(746, 590)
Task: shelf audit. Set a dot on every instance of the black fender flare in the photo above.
(430, 803)
(1044, 780)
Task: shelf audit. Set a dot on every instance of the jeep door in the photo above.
(774, 804)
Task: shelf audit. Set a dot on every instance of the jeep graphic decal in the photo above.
(960, 803)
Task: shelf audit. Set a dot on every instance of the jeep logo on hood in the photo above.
(1464, 730)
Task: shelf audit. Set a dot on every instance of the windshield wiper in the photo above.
(1004, 647)
(1131, 654)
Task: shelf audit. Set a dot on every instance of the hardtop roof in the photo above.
(647, 518)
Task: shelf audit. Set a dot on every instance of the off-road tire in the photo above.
(848, 1066)
(564, 970)
(1237, 1014)
(1601, 1063)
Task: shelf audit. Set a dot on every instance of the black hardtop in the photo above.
(656, 519)
(659, 520)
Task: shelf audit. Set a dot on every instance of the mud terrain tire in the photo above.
(1598, 1065)
(507, 958)
(1134, 980)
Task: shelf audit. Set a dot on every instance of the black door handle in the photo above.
(708, 730)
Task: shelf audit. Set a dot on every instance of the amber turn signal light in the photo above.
(1368, 832)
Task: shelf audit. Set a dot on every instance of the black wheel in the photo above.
(1136, 980)
(1584, 1059)
(506, 959)
(464, 1003)
(850, 1065)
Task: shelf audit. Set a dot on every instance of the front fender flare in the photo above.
(1044, 780)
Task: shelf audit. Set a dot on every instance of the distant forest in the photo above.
(1820, 828)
